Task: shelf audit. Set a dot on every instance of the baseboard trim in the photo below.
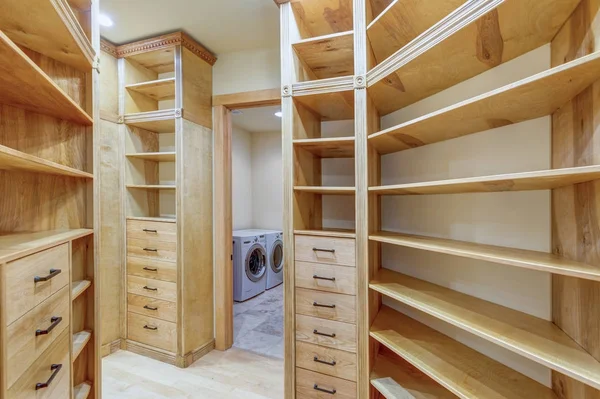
(111, 347)
(151, 352)
(191, 357)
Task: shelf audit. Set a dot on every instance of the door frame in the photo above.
(223, 219)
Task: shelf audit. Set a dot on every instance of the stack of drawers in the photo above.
(326, 340)
(35, 317)
(152, 283)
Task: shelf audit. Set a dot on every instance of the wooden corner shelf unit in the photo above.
(360, 61)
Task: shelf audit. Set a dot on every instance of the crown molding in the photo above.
(108, 47)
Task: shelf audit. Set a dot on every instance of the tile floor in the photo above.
(258, 323)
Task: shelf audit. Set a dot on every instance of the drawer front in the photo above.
(151, 307)
(22, 292)
(152, 288)
(308, 384)
(154, 332)
(41, 370)
(329, 278)
(160, 250)
(331, 334)
(328, 361)
(326, 305)
(23, 345)
(330, 250)
(152, 268)
(156, 231)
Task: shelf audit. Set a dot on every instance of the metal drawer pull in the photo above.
(317, 388)
(320, 305)
(150, 288)
(55, 368)
(150, 249)
(55, 321)
(332, 251)
(150, 231)
(323, 278)
(149, 307)
(316, 332)
(150, 269)
(152, 328)
(53, 273)
(316, 359)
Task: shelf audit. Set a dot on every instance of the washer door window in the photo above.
(277, 256)
(256, 263)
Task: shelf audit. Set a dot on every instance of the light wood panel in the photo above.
(329, 250)
(326, 305)
(327, 333)
(80, 340)
(327, 56)
(11, 159)
(159, 61)
(158, 90)
(152, 186)
(328, 233)
(329, 106)
(503, 255)
(156, 121)
(307, 383)
(154, 332)
(453, 365)
(27, 86)
(79, 287)
(344, 278)
(326, 190)
(530, 98)
(525, 181)
(322, 17)
(311, 357)
(154, 156)
(248, 99)
(529, 336)
(197, 83)
(152, 219)
(82, 391)
(337, 147)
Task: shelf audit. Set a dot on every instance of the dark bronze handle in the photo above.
(317, 388)
(53, 273)
(324, 250)
(55, 368)
(150, 288)
(323, 278)
(150, 231)
(147, 327)
(316, 359)
(316, 332)
(55, 321)
(150, 269)
(150, 249)
(320, 305)
(149, 307)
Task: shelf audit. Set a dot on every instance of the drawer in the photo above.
(330, 250)
(154, 332)
(160, 250)
(152, 268)
(326, 305)
(152, 288)
(23, 345)
(331, 334)
(328, 361)
(327, 278)
(22, 292)
(41, 371)
(308, 384)
(151, 307)
(156, 231)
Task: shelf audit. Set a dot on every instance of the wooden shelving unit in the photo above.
(79, 287)
(152, 186)
(11, 159)
(80, 340)
(159, 90)
(326, 190)
(327, 233)
(154, 121)
(82, 391)
(167, 156)
(327, 56)
(336, 147)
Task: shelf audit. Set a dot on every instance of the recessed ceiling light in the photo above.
(105, 20)
(279, 114)
(236, 112)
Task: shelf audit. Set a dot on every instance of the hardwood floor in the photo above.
(234, 374)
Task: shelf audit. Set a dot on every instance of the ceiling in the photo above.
(258, 120)
(222, 26)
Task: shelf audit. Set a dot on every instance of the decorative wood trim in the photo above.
(110, 348)
(190, 358)
(249, 99)
(151, 352)
(331, 85)
(108, 47)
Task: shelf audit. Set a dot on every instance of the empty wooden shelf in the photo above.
(331, 106)
(80, 340)
(82, 391)
(152, 186)
(535, 260)
(327, 56)
(154, 156)
(325, 232)
(529, 336)
(162, 89)
(11, 159)
(525, 181)
(335, 147)
(451, 363)
(18, 245)
(162, 121)
(79, 287)
(313, 19)
(25, 85)
(326, 190)
(530, 98)
(152, 219)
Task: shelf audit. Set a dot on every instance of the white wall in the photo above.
(241, 151)
(517, 219)
(247, 71)
(267, 180)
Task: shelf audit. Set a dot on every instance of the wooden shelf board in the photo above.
(159, 61)
(340, 233)
(152, 186)
(80, 340)
(314, 20)
(25, 85)
(161, 121)
(336, 147)
(451, 363)
(162, 89)
(52, 30)
(530, 98)
(15, 246)
(326, 190)
(79, 287)
(327, 56)
(154, 156)
(535, 260)
(11, 159)
(152, 219)
(519, 27)
(82, 391)
(333, 106)
(525, 181)
(537, 339)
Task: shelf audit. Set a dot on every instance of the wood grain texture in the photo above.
(342, 233)
(329, 250)
(322, 17)
(196, 82)
(15, 160)
(154, 156)
(163, 337)
(326, 305)
(16, 246)
(109, 83)
(344, 283)
(151, 307)
(327, 56)
(151, 288)
(337, 147)
(345, 362)
(134, 100)
(326, 190)
(249, 99)
(344, 335)
(329, 106)
(162, 121)
(158, 90)
(152, 268)
(308, 380)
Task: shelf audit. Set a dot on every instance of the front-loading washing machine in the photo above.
(249, 264)
(274, 258)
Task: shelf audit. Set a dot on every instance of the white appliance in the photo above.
(274, 258)
(249, 264)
